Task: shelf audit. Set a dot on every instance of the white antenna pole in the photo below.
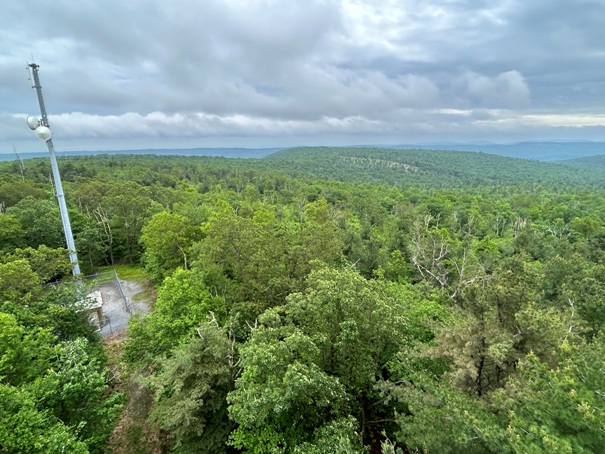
(73, 258)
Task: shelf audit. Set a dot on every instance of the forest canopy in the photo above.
(317, 300)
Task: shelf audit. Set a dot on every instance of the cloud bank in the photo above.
(258, 72)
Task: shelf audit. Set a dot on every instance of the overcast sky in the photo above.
(128, 74)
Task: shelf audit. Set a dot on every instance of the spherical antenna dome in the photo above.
(43, 133)
(33, 122)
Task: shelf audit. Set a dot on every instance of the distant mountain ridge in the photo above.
(539, 151)
(548, 151)
(362, 165)
(426, 167)
(239, 153)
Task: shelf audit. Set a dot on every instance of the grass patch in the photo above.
(146, 295)
(104, 276)
(131, 273)
(134, 273)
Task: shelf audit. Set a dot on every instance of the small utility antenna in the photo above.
(29, 74)
(20, 162)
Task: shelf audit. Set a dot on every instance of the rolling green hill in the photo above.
(383, 166)
(434, 168)
(595, 163)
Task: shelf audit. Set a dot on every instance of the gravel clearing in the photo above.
(115, 310)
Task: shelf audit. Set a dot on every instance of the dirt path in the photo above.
(132, 434)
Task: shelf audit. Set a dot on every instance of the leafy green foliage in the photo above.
(409, 300)
(313, 365)
(74, 389)
(24, 354)
(283, 396)
(47, 263)
(264, 259)
(191, 389)
(166, 238)
(62, 387)
(183, 303)
(25, 429)
(559, 409)
(18, 282)
(59, 398)
(11, 233)
(39, 229)
(11, 192)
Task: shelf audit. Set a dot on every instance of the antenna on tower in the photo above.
(42, 129)
(29, 73)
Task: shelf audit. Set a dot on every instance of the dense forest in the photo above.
(318, 300)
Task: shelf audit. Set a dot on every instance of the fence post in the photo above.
(126, 302)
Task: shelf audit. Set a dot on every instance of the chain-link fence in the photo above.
(116, 309)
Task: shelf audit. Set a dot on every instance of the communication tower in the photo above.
(42, 129)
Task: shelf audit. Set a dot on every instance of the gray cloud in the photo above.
(428, 70)
(506, 90)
